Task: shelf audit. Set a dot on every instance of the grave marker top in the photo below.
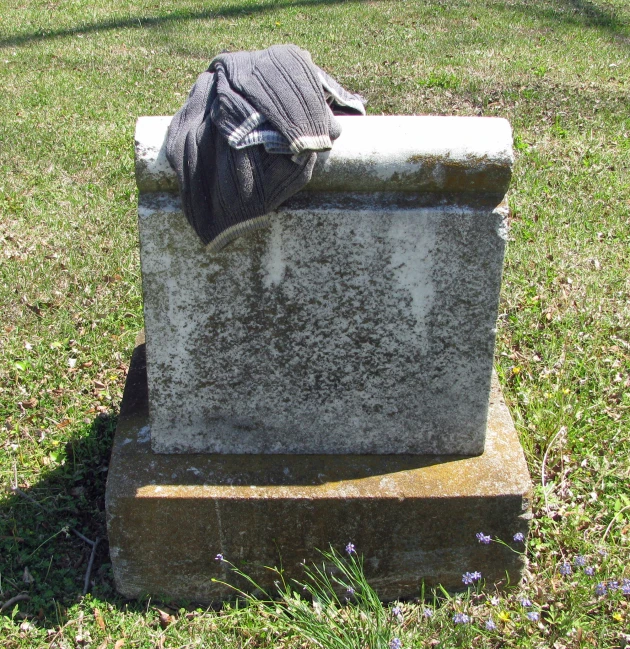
(377, 153)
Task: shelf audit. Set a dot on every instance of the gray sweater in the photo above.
(247, 136)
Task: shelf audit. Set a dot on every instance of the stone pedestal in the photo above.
(414, 518)
(326, 379)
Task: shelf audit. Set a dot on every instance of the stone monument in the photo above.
(325, 379)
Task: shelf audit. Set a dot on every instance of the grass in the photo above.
(75, 75)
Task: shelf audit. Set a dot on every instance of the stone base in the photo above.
(414, 518)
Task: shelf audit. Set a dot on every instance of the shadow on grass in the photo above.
(585, 13)
(594, 15)
(142, 21)
(40, 556)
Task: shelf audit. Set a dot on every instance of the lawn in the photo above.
(75, 75)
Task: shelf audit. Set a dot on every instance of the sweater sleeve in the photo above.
(283, 84)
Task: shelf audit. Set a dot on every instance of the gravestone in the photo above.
(326, 378)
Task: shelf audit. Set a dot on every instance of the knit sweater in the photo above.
(247, 136)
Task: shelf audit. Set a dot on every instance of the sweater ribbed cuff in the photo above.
(236, 137)
(310, 143)
(233, 232)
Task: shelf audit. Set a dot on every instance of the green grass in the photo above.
(75, 75)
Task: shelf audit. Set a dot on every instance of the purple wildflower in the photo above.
(427, 613)
(495, 601)
(471, 577)
(350, 549)
(580, 561)
(490, 625)
(589, 571)
(397, 613)
(519, 537)
(565, 569)
(613, 585)
(395, 643)
(461, 618)
(625, 587)
(483, 538)
(601, 589)
(219, 557)
(526, 602)
(350, 590)
(533, 616)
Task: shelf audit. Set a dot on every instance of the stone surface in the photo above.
(359, 322)
(346, 327)
(414, 518)
(377, 153)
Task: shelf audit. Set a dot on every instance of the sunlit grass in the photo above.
(76, 75)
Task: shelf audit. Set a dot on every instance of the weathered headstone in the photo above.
(321, 379)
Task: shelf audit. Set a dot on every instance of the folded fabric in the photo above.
(247, 136)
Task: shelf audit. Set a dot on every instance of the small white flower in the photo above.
(72, 362)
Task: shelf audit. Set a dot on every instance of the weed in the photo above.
(442, 80)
